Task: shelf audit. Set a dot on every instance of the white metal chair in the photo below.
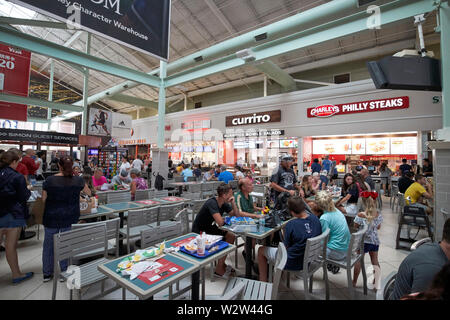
(118, 196)
(258, 290)
(315, 251)
(112, 233)
(67, 245)
(159, 234)
(194, 188)
(195, 207)
(142, 195)
(355, 253)
(207, 189)
(178, 179)
(237, 293)
(387, 286)
(169, 212)
(192, 196)
(418, 243)
(161, 193)
(136, 222)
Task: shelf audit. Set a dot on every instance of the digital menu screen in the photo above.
(377, 146)
(332, 146)
(288, 144)
(404, 145)
(358, 146)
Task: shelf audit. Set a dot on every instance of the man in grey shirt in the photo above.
(121, 179)
(419, 268)
(367, 178)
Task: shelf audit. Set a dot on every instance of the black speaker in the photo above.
(407, 73)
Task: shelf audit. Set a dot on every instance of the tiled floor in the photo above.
(30, 259)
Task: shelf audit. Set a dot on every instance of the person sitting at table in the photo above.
(405, 181)
(197, 172)
(244, 201)
(333, 219)
(89, 189)
(404, 167)
(76, 170)
(249, 175)
(225, 176)
(365, 175)
(209, 175)
(180, 168)
(209, 219)
(98, 180)
(239, 174)
(427, 168)
(350, 194)
(122, 179)
(137, 183)
(187, 172)
(316, 183)
(306, 189)
(61, 194)
(217, 171)
(416, 193)
(296, 233)
(323, 179)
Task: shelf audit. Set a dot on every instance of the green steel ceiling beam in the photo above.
(47, 48)
(37, 120)
(277, 74)
(390, 12)
(34, 23)
(38, 102)
(134, 101)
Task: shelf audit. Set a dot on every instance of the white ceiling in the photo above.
(198, 24)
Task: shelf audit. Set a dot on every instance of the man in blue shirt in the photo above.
(296, 232)
(316, 167)
(225, 175)
(187, 172)
(323, 179)
(405, 167)
(326, 164)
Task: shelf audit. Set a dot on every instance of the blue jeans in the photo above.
(47, 254)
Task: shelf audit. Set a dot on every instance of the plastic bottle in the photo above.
(262, 223)
(201, 244)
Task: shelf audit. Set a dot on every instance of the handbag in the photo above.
(37, 213)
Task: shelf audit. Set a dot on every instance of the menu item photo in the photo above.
(377, 145)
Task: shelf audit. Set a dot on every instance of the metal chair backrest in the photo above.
(74, 242)
(161, 193)
(418, 243)
(280, 263)
(192, 196)
(387, 286)
(136, 218)
(142, 195)
(195, 188)
(197, 205)
(183, 217)
(151, 215)
(191, 179)
(414, 212)
(206, 186)
(168, 212)
(112, 229)
(233, 184)
(356, 246)
(237, 293)
(316, 250)
(179, 179)
(160, 233)
(259, 188)
(102, 197)
(118, 196)
(151, 193)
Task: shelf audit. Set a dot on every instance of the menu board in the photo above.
(404, 145)
(377, 146)
(332, 146)
(358, 146)
(288, 144)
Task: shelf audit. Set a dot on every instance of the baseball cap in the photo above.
(286, 158)
(324, 172)
(315, 174)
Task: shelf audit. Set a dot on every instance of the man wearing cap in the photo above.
(121, 179)
(283, 179)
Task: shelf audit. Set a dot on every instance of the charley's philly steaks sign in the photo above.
(254, 118)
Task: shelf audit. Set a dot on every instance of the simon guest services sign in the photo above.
(330, 110)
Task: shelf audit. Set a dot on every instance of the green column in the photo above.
(50, 92)
(445, 57)
(86, 89)
(162, 104)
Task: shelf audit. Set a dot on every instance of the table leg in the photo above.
(248, 257)
(122, 250)
(195, 285)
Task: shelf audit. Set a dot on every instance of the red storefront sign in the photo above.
(14, 79)
(326, 111)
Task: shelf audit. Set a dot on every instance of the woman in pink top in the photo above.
(98, 179)
(138, 182)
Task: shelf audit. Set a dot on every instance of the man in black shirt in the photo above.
(405, 167)
(210, 217)
(405, 181)
(284, 179)
(427, 168)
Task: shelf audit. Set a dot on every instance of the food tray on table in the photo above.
(208, 252)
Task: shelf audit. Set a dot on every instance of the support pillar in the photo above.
(84, 119)
(50, 92)
(444, 15)
(300, 158)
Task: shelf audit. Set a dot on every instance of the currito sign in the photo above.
(254, 118)
(326, 111)
(15, 80)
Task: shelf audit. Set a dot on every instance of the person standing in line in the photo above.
(40, 162)
(29, 162)
(385, 175)
(138, 164)
(326, 164)
(365, 175)
(404, 167)
(61, 194)
(315, 166)
(13, 210)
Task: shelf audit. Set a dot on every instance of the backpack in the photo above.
(159, 182)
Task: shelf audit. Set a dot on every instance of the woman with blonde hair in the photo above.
(373, 219)
(334, 220)
(307, 190)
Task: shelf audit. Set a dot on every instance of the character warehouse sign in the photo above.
(326, 111)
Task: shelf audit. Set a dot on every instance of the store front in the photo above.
(259, 131)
